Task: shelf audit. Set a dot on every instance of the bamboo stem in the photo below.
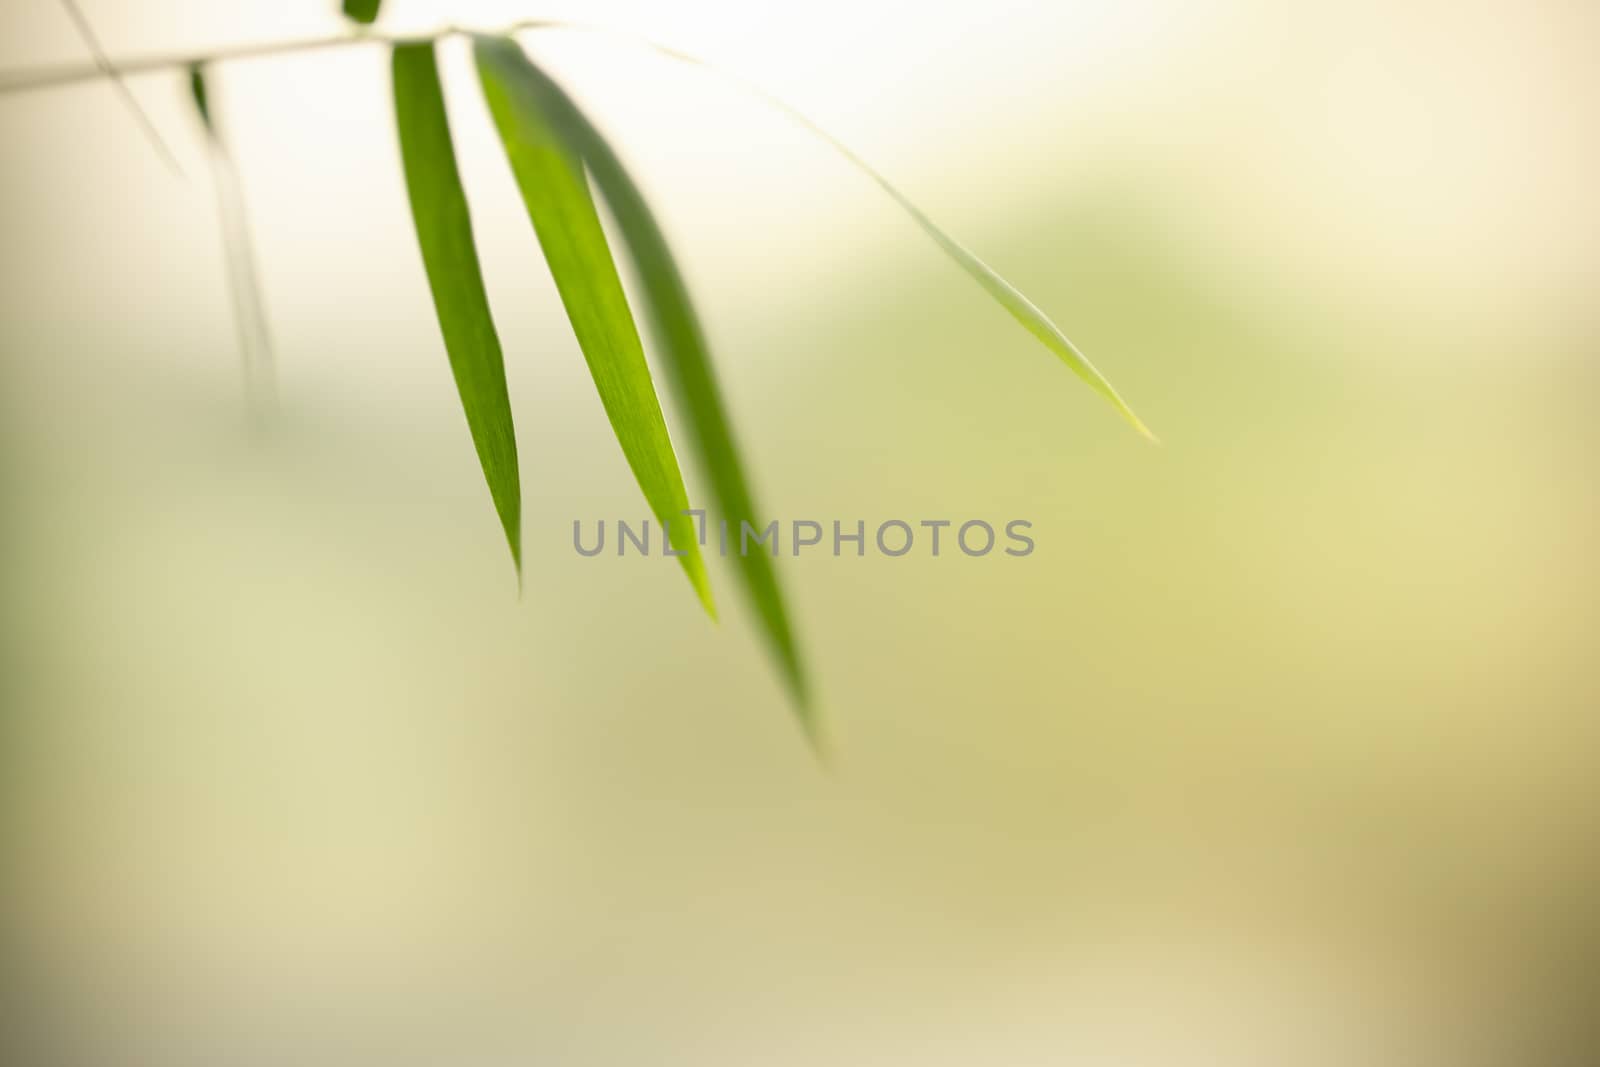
(75, 73)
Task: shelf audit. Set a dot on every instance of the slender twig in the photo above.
(1001, 290)
(107, 69)
(69, 74)
(25, 81)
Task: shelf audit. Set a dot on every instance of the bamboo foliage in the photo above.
(554, 151)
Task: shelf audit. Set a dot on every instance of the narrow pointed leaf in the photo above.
(201, 95)
(362, 11)
(686, 356)
(244, 286)
(555, 190)
(1003, 292)
(450, 257)
(1022, 309)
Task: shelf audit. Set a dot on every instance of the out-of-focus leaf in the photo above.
(1003, 292)
(556, 191)
(244, 287)
(687, 358)
(201, 96)
(450, 257)
(362, 11)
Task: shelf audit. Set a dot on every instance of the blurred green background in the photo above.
(1282, 747)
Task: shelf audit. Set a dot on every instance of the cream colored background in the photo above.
(1280, 749)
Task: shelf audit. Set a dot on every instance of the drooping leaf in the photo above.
(201, 96)
(1022, 309)
(244, 286)
(450, 258)
(555, 190)
(686, 357)
(362, 11)
(1003, 292)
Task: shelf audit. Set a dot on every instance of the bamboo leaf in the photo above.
(362, 11)
(686, 356)
(555, 190)
(201, 96)
(1022, 309)
(449, 255)
(1003, 292)
(244, 286)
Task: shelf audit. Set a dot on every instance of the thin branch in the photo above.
(70, 74)
(107, 69)
(26, 81)
(1020, 308)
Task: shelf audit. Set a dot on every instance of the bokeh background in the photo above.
(1282, 747)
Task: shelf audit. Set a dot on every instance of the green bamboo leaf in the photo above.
(201, 96)
(1003, 292)
(556, 192)
(1021, 308)
(687, 358)
(449, 255)
(362, 11)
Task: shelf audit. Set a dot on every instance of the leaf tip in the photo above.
(511, 523)
(702, 588)
(818, 738)
(805, 709)
(1144, 431)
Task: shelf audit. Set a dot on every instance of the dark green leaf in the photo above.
(200, 95)
(362, 11)
(444, 232)
(556, 191)
(686, 357)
